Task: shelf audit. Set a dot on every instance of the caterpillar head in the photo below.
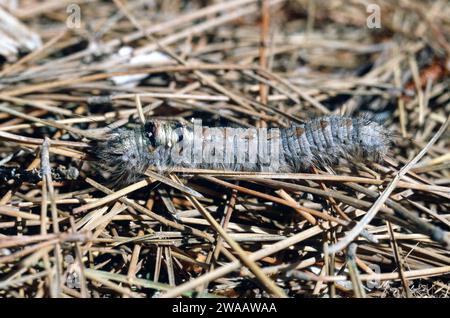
(125, 154)
(122, 155)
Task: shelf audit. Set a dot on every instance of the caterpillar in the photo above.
(125, 154)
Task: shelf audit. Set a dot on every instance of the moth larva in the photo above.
(127, 153)
(18, 175)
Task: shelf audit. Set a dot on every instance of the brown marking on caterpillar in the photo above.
(299, 131)
(324, 123)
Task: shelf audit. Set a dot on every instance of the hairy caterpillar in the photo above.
(127, 153)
